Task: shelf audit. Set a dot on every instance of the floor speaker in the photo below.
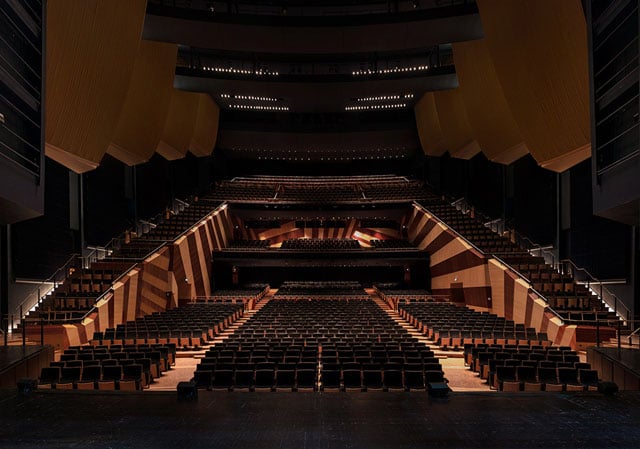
(187, 391)
(607, 387)
(27, 386)
(438, 389)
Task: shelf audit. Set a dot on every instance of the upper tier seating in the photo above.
(304, 289)
(76, 296)
(249, 244)
(570, 300)
(319, 190)
(391, 244)
(321, 244)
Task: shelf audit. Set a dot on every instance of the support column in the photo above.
(5, 255)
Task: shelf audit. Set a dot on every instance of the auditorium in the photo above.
(319, 223)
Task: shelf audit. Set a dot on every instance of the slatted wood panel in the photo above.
(488, 112)
(205, 130)
(179, 125)
(146, 105)
(486, 283)
(144, 289)
(429, 127)
(459, 138)
(91, 52)
(539, 51)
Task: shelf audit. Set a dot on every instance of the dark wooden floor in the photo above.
(328, 420)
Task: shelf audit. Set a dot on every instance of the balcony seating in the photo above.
(320, 244)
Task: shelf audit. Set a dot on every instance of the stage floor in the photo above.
(318, 420)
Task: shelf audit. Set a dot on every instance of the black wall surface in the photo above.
(526, 195)
(114, 196)
(600, 245)
(42, 244)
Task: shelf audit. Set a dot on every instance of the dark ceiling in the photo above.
(283, 69)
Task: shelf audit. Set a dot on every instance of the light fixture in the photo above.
(375, 107)
(257, 107)
(417, 68)
(384, 98)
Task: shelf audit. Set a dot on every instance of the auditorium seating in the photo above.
(321, 289)
(451, 326)
(305, 244)
(249, 244)
(391, 244)
(514, 368)
(188, 326)
(312, 343)
(319, 190)
(130, 367)
(570, 300)
(76, 296)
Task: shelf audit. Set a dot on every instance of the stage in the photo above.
(319, 420)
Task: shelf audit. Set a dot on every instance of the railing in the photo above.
(92, 254)
(551, 257)
(582, 276)
(533, 290)
(42, 289)
(492, 256)
(623, 339)
(635, 335)
(142, 227)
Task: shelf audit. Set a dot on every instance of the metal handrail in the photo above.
(94, 255)
(605, 294)
(38, 290)
(547, 251)
(135, 262)
(493, 256)
(540, 295)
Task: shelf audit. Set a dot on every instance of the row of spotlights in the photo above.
(248, 97)
(375, 106)
(359, 158)
(394, 70)
(239, 71)
(385, 98)
(325, 149)
(259, 107)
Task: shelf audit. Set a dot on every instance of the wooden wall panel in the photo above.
(490, 118)
(143, 290)
(90, 56)
(145, 107)
(154, 284)
(487, 284)
(179, 124)
(457, 134)
(429, 127)
(205, 130)
(539, 51)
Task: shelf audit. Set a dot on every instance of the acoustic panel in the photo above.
(428, 125)
(90, 56)
(145, 108)
(456, 131)
(488, 112)
(539, 51)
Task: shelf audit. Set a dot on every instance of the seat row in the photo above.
(349, 342)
